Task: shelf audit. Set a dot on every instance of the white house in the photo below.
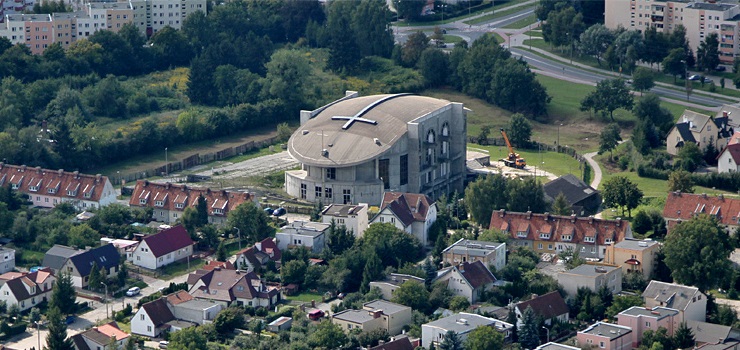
(26, 289)
(227, 287)
(78, 263)
(311, 235)
(175, 311)
(7, 260)
(462, 324)
(409, 212)
(100, 337)
(163, 248)
(593, 277)
(729, 159)
(353, 217)
(467, 279)
(689, 301)
(549, 307)
(467, 250)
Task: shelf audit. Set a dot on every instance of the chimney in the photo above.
(98, 178)
(44, 125)
(703, 195)
(224, 194)
(60, 172)
(76, 174)
(724, 114)
(38, 170)
(547, 216)
(721, 196)
(381, 342)
(23, 168)
(376, 313)
(619, 222)
(502, 213)
(167, 186)
(573, 218)
(146, 183)
(529, 214)
(591, 220)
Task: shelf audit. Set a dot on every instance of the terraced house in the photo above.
(554, 234)
(46, 188)
(169, 201)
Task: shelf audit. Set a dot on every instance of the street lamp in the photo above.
(686, 77)
(558, 144)
(239, 234)
(167, 162)
(38, 331)
(105, 299)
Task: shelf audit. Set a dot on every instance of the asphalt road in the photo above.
(566, 70)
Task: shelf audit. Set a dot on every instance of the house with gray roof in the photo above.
(79, 263)
(468, 279)
(606, 336)
(710, 334)
(356, 148)
(689, 301)
(593, 277)
(550, 307)
(353, 216)
(462, 324)
(641, 319)
(228, 287)
(57, 256)
(311, 235)
(701, 129)
(583, 199)
(556, 346)
(391, 282)
(172, 312)
(377, 314)
(491, 254)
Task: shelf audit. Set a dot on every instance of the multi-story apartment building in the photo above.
(700, 18)
(39, 31)
(12, 7)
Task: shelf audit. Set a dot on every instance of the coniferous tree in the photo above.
(529, 332)
(57, 336)
(451, 341)
(373, 271)
(63, 295)
(560, 206)
(202, 208)
(684, 337)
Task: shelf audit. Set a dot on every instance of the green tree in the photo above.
(451, 341)
(433, 65)
(643, 79)
(485, 195)
(519, 130)
(96, 277)
(63, 295)
(370, 24)
(56, 339)
(560, 206)
(620, 192)
(187, 339)
(293, 272)
(609, 95)
(339, 238)
(459, 303)
(34, 315)
(697, 252)
(412, 294)
(83, 235)
(373, 271)
(674, 64)
(563, 27)
(171, 47)
(656, 46)
(122, 274)
(251, 221)
(680, 180)
(641, 223)
(393, 246)
(609, 139)
(221, 254)
(328, 336)
(707, 55)
(595, 41)
(344, 52)
(684, 337)
(689, 156)
(287, 73)
(648, 108)
(526, 195)
(413, 48)
(229, 319)
(202, 208)
(529, 331)
(515, 88)
(190, 220)
(572, 258)
(485, 338)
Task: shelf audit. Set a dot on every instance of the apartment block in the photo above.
(700, 19)
(150, 16)
(12, 7)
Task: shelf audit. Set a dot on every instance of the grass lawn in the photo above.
(495, 14)
(486, 9)
(556, 163)
(524, 22)
(27, 258)
(498, 37)
(180, 268)
(451, 39)
(306, 297)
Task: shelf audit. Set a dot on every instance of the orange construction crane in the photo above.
(514, 160)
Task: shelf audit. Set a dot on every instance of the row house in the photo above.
(554, 234)
(232, 287)
(47, 188)
(169, 201)
(26, 289)
(684, 206)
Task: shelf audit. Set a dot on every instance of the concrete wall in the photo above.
(141, 324)
(727, 164)
(572, 282)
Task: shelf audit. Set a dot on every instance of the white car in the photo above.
(133, 291)
(163, 344)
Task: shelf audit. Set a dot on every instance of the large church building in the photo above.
(354, 149)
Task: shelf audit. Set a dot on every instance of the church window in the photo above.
(331, 173)
(384, 173)
(318, 191)
(303, 191)
(404, 167)
(347, 196)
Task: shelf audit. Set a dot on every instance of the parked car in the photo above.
(720, 68)
(70, 319)
(269, 210)
(163, 344)
(133, 291)
(695, 77)
(279, 211)
(315, 315)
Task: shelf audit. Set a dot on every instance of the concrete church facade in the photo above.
(356, 148)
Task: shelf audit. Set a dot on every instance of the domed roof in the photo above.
(355, 130)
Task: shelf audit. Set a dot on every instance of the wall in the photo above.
(144, 257)
(139, 326)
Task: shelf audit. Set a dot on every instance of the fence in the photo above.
(534, 146)
(194, 160)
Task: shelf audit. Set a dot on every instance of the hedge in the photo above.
(9, 331)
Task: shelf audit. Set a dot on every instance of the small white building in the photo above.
(26, 289)
(467, 250)
(469, 280)
(409, 212)
(100, 338)
(163, 248)
(311, 235)
(7, 260)
(462, 324)
(689, 301)
(173, 312)
(392, 282)
(353, 217)
(729, 159)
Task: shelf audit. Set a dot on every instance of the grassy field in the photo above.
(180, 268)
(452, 39)
(522, 23)
(553, 162)
(307, 297)
(495, 14)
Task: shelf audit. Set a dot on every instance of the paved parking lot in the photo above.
(253, 167)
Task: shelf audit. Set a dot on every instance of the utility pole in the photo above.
(239, 234)
(106, 299)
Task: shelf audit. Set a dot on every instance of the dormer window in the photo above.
(159, 203)
(179, 205)
(544, 235)
(88, 194)
(142, 201)
(589, 239)
(71, 193)
(52, 190)
(608, 241)
(521, 234)
(33, 188)
(566, 237)
(217, 211)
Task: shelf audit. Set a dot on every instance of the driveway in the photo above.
(596, 168)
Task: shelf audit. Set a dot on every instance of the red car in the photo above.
(315, 315)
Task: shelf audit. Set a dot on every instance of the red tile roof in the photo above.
(733, 150)
(179, 297)
(169, 196)
(56, 183)
(269, 247)
(532, 225)
(220, 264)
(684, 206)
(408, 207)
(168, 241)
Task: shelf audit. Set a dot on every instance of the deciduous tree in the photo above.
(485, 338)
(609, 139)
(609, 95)
(485, 195)
(412, 294)
(595, 41)
(643, 79)
(620, 192)
(707, 55)
(680, 180)
(697, 252)
(519, 130)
